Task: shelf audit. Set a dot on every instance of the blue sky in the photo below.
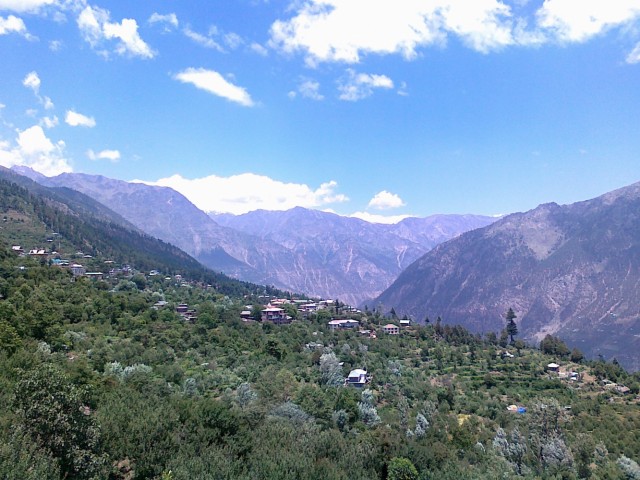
(371, 108)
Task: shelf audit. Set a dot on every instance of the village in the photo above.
(279, 311)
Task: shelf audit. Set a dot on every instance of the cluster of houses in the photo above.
(572, 376)
(76, 269)
(388, 329)
(79, 270)
(563, 373)
(275, 313)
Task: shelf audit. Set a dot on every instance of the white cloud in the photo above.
(259, 49)
(95, 27)
(111, 155)
(233, 40)
(76, 119)
(373, 218)
(24, 6)
(202, 40)
(335, 30)
(55, 45)
(212, 82)
(34, 149)
(308, 89)
(634, 55)
(49, 122)
(247, 192)
(385, 200)
(484, 25)
(32, 81)
(170, 20)
(344, 31)
(578, 21)
(357, 86)
(12, 24)
(48, 104)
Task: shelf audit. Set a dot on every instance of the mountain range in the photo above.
(34, 215)
(571, 271)
(317, 253)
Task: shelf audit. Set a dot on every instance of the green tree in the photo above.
(52, 411)
(401, 469)
(512, 328)
(275, 348)
(9, 338)
(21, 459)
(576, 355)
(503, 341)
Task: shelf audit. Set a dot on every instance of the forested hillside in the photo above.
(100, 382)
(67, 221)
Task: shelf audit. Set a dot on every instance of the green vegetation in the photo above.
(103, 379)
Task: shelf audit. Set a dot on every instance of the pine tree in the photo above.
(512, 328)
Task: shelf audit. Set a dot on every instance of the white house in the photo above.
(391, 329)
(357, 378)
(343, 324)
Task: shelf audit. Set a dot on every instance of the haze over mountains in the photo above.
(301, 250)
(572, 271)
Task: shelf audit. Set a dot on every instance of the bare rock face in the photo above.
(348, 258)
(571, 271)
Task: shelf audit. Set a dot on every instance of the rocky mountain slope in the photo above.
(166, 214)
(362, 258)
(571, 271)
(301, 250)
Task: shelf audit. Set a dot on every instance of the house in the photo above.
(309, 307)
(343, 324)
(276, 315)
(182, 308)
(314, 346)
(357, 378)
(246, 315)
(95, 275)
(623, 390)
(405, 322)
(391, 329)
(553, 367)
(77, 270)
